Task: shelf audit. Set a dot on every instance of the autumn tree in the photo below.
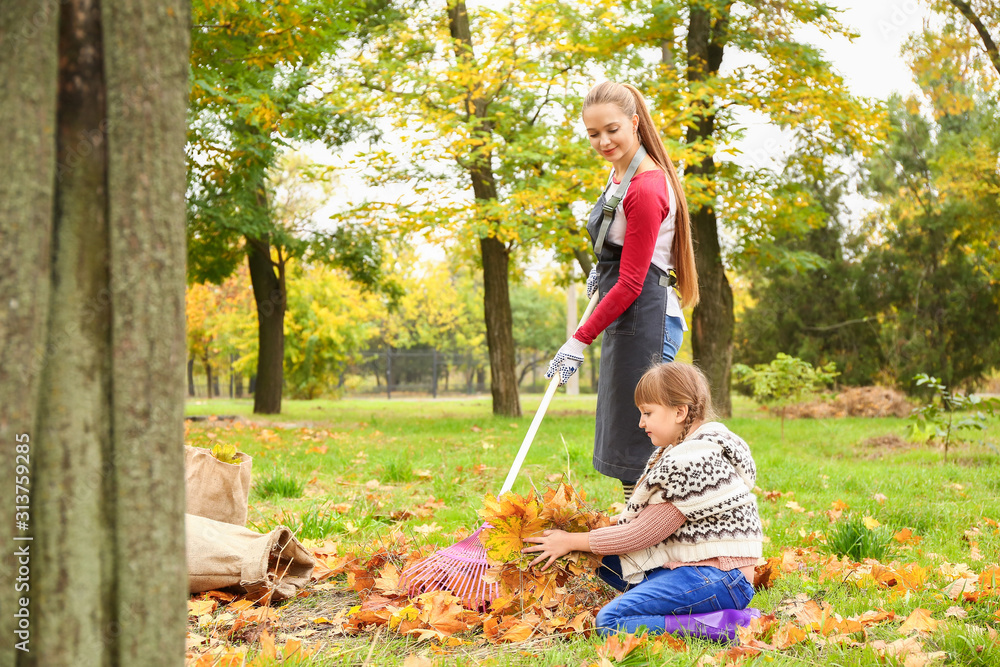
(331, 322)
(698, 103)
(933, 275)
(913, 290)
(984, 17)
(258, 84)
(91, 332)
(485, 104)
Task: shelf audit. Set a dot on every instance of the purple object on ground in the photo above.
(715, 625)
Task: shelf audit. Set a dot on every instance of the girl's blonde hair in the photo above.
(631, 102)
(673, 384)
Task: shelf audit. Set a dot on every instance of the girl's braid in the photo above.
(694, 412)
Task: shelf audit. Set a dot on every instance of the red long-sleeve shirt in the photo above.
(646, 204)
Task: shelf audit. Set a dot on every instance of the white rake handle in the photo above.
(536, 422)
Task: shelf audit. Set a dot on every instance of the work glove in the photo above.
(592, 283)
(567, 360)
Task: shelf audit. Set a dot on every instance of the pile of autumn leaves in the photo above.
(535, 604)
(532, 602)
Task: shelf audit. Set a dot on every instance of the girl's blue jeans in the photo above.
(673, 336)
(691, 589)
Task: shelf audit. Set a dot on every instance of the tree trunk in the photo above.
(712, 328)
(499, 328)
(495, 254)
(208, 377)
(190, 376)
(269, 293)
(239, 385)
(91, 345)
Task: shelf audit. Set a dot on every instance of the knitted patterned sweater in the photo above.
(709, 478)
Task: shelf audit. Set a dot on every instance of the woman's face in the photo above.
(611, 132)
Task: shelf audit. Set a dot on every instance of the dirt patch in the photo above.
(881, 445)
(855, 402)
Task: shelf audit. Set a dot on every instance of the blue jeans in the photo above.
(673, 336)
(685, 590)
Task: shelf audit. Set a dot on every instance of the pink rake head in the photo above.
(458, 568)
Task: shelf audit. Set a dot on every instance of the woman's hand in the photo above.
(555, 543)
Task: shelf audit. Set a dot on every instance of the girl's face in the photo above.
(611, 132)
(663, 424)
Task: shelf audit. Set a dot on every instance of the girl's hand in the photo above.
(555, 543)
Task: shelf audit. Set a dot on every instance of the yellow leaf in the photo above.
(871, 523)
(201, 607)
(920, 621)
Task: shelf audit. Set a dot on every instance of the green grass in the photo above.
(279, 484)
(362, 461)
(852, 538)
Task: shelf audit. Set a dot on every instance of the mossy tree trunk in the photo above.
(92, 347)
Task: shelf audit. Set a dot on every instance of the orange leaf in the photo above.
(875, 617)
(787, 635)
(240, 605)
(764, 575)
(906, 536)
(990, 578)
(519, 632)
(267, 647)
(671, 642)
(616, 648)
(919, 620)
(442, 611)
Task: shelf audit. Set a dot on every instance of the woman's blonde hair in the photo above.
(631, 102)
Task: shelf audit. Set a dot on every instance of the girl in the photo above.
(690, 536)
(643, 246)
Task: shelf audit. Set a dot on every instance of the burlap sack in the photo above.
(220, 555)
(217, 490)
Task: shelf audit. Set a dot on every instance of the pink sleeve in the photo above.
(653, 524)
(645, 206)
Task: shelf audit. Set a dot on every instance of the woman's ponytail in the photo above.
(682, 251)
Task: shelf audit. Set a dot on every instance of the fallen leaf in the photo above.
(875, 617)
(955, 589)
(906, 536)
(427, 529)
(267, 647)
(871, 523)
(616, 647)
(201, 607)
(787, 635)
(240, 605)
(794, 506)
(414, 660)
(919, 620)
(955, 612)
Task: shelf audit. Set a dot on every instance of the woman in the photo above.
(644, 250)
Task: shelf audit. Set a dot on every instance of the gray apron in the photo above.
(632, 343)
